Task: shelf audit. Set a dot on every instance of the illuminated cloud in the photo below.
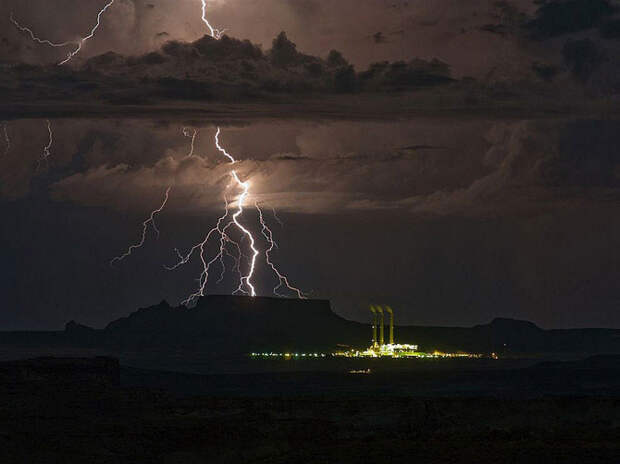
(336, 167)
(422, 29)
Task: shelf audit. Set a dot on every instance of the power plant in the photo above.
(379, 311)
(378, 348)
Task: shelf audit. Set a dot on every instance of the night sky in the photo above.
(449, 30)
(453, 219)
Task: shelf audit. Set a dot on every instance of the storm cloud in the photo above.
(411, 29)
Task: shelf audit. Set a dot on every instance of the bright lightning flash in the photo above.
(78, 43)
(145, 226)
(206, 264)
(215, 33)
(224, 223)
(282, 279)
(246, 285)
(245, 187)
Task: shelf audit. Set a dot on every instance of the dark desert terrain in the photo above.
(52, 411)
(227, 407)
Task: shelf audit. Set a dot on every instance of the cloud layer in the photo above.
(421, 166)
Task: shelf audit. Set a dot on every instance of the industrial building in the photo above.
(378, 347)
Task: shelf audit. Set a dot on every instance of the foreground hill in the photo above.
(95, 410)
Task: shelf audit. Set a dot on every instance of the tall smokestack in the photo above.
(374, 325)
(381, 339)
(391, 312)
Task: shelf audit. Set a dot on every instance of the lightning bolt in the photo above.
(206, 264)
(35, 38)
(224, 223)
(245, 186)
(236, 258)
(215, 33)
(46, 148)
(78, 44)
(188, 133)
(275, 216)
(89, 36)
(150, 221)
(282, 279)
(7, 140)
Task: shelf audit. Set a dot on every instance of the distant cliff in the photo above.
(510, 336)
(236, 325)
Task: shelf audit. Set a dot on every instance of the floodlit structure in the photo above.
(379, 348)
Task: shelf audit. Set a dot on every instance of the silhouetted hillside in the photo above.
(237, 325)
(514, 337)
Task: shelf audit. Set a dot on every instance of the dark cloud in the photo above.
(379, 38)
(556, 18)
(421, 30)
(610, 29)
(533, 166)
(582, 57)
(494, 28)
(451, 31)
